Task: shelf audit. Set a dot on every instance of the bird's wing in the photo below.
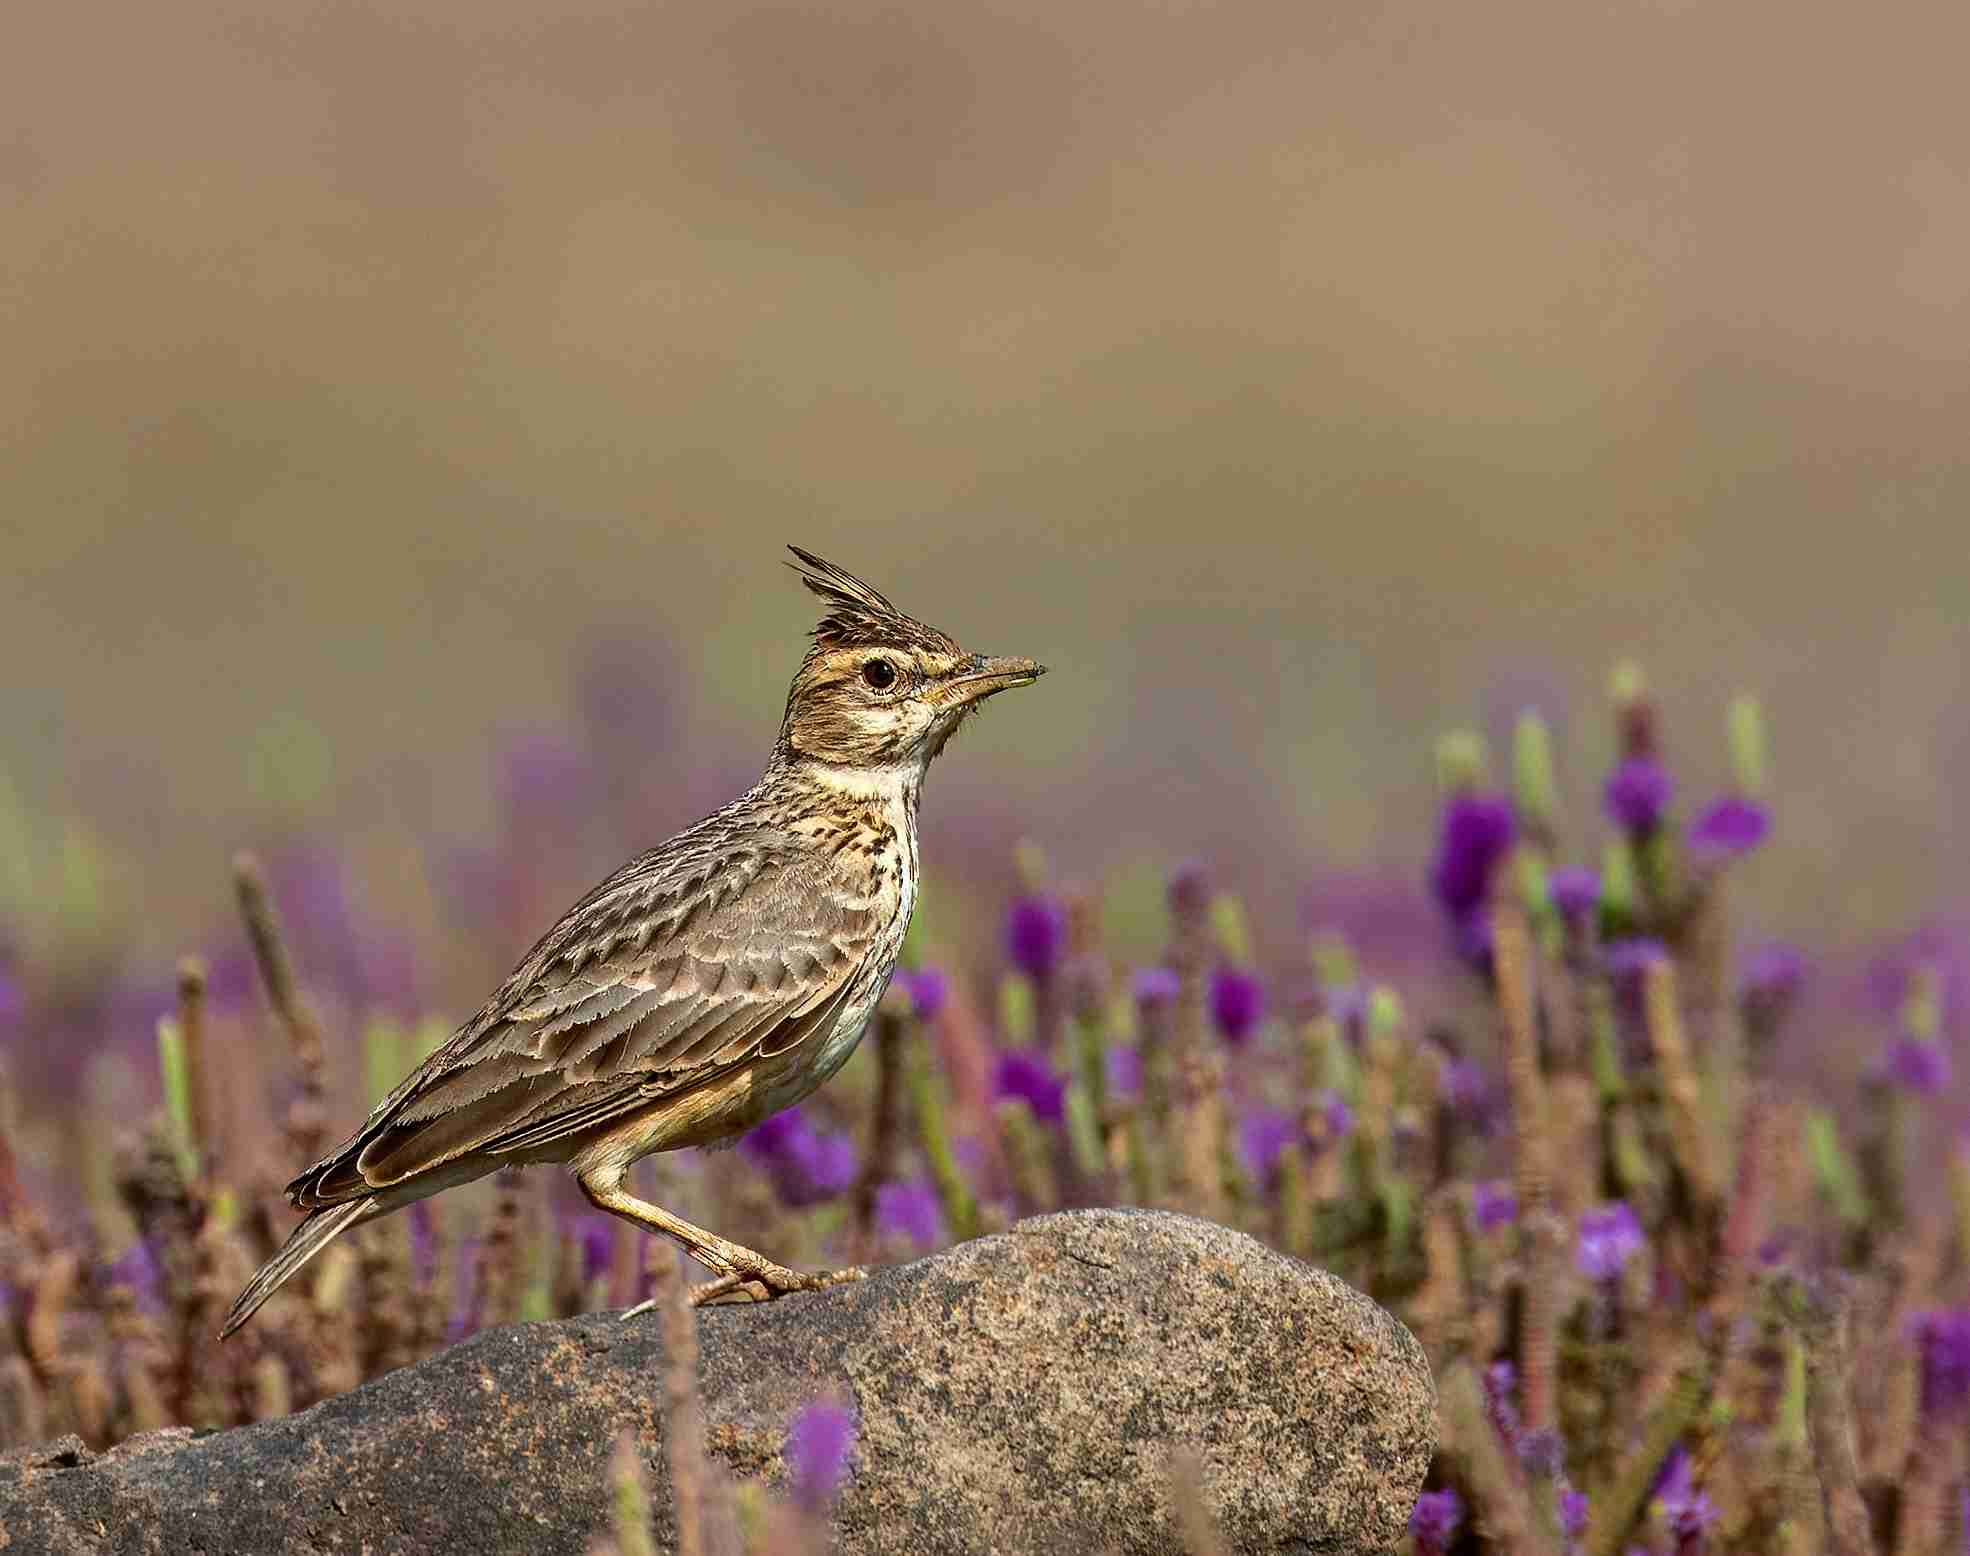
(685, 965)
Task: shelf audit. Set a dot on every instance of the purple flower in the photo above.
(1156, 986)
(1493, 1205)
(1689, 1512)
(1637, 793)
(1501, 1386)
(596, 1237)
(1573, 1514)
(806, 1167)
(912, 1211)
(1609, 1238)
(1121, 1070)
(1919, 1066)
(1263, 1135)
(820, 1442)
(1237, 1002)
(12, 1001)
(1467, 1090)
(1732, 826)
(423, 1241)
(1772, 974)
(137, 1268)
(1575, 892)
(1627, 960)
(1347, 1006)
(928, 989)
(1435, 1520)
(1036, 933)
(1942, 1336)
(1336, 1117)
(1474, 833)
(1023, 1074)
(1542, 1453)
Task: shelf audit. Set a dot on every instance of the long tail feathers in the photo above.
(303, 1243)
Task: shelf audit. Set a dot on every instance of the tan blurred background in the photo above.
(1297, 380)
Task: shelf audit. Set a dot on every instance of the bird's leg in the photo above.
(741, 1274)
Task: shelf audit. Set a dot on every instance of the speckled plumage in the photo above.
(707, 984)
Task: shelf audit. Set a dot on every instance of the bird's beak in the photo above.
(982, 677)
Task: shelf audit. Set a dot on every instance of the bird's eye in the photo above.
(880, 674)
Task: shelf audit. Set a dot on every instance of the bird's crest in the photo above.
(858, 614)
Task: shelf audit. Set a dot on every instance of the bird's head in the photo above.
(880, 689)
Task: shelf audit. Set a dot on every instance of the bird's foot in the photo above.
(763, 1282)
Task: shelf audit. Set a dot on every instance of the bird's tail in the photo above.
(303, 1243)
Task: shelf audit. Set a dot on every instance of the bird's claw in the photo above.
(763, 1285)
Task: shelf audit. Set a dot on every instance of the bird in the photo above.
(707, 984)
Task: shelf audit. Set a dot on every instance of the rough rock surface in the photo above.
(1019, 1393)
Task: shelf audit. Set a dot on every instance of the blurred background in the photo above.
(406, 406)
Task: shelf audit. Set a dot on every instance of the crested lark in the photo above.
(714, 981)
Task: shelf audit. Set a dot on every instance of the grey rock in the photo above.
(1019, 1393)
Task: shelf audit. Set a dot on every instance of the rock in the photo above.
(1019, 1393)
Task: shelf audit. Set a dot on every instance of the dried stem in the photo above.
(1540, 1229)
(1822, 1320)
(1681, 1092)
(1503, 1512)
(307, 1118)
(683, 1414)
(1618, 1506)
(191, 1037)
(886, 1032)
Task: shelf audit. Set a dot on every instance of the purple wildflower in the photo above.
(1024, 1074)
(1435, 1520)
(1156, 986)
(1942, 1336)
(1575, 892)
(1121, 1070)
(912, 1211)
(1627, 960)
(137, 1268)
(1637, 794)
(1474, 833)
(12, 1002)
(1263, 1136)
(1467, 1090)
(1542, 1453)
(1036, 933)
(1348, 1008)
(1918, 1066)
(929, 990)
(596, 1236)
(1609, 1238)
(1336, 1117)
(1689, 1512)
(1493, 1205)
(1237, 1002)
(1772, 976)
(1501, 1386)
(423, 1241)
(1731, 827)
(806, 1167)
(1573, 1513)
(820, 1442)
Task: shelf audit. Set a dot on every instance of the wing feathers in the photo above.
(671, 974)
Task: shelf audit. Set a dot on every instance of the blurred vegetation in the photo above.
(1678, 1214)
